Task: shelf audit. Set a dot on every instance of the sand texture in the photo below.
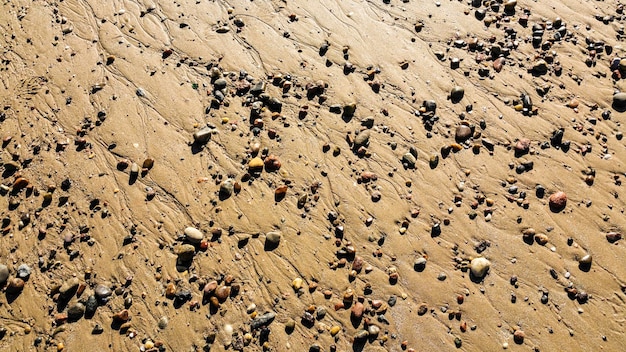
(333, 175)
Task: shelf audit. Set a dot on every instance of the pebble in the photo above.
(335, 330)
(273, 238)
(102, 291)
(357, 310)
(420, 264)
(463, 132)
(479, 267)
(456, 94)
(163, 321)
(619, 100)
(362, 139)
(256, 163)
(4, 274)
(15, 286)
(262, 320)
(518, 336)
(409, 160)
(91, 305)
(184, 252)
(586, 259)
(76, 311)
(202, 136)
(557, 201)
(227, 187)
(193, 235)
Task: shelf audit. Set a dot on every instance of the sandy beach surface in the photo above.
(333, 175)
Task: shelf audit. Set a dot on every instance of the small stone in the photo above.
(256, 164)
(15, 286)
(262, 320)
(335, 330)
(518, 336)
(586, 259)
(613, 237)
(23, 271)
(357, 310)
(272, 239)
(227, 187)
(479, 267)
(102, 291)
(91, 305)
(184, 252)
(296, 284)
(76, 311)
(409, 160)
(193, 235)
(463, 132)
(619, 100)
(557, 201)
(420, 264)
(362, 139)
(122, 315)
(163, 321)
(203, 136)
(4, 274)
(456, 94)
(422, 309)
(222, 293)
(148, 164)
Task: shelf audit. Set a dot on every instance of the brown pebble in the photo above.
(170, 290)
(16, 285)
(357, 264)
(518, 336)
(272, 163)
(557, 201)
(422, 309)
(357, 310)
(222, 293)
(122, 315)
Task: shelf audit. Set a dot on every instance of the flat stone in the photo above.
(202, 136)
(193, 235)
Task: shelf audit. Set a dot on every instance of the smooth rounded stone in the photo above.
(193, 235)
(102, 291)
(76, 311)
(419, 264)
(220, 83)
(184, 252)
(335, 330)
(518, 336)
(463, 132)
(373, 331)
(619, 99)
(357, 310)
(23, 271)
(510, 5)
(290, 325)
(586, 259)
(409, 159)
(227, 188)
(91, 305)
(422, 309)
(163, 321)
(479, 267)
(69, 286)
(256, 163)
(456, 94)
(362, 139)
(222, 293)
(557, 201)
(273, 238)
(4, 274)
(16, 285)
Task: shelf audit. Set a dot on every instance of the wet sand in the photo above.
(342, 163)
